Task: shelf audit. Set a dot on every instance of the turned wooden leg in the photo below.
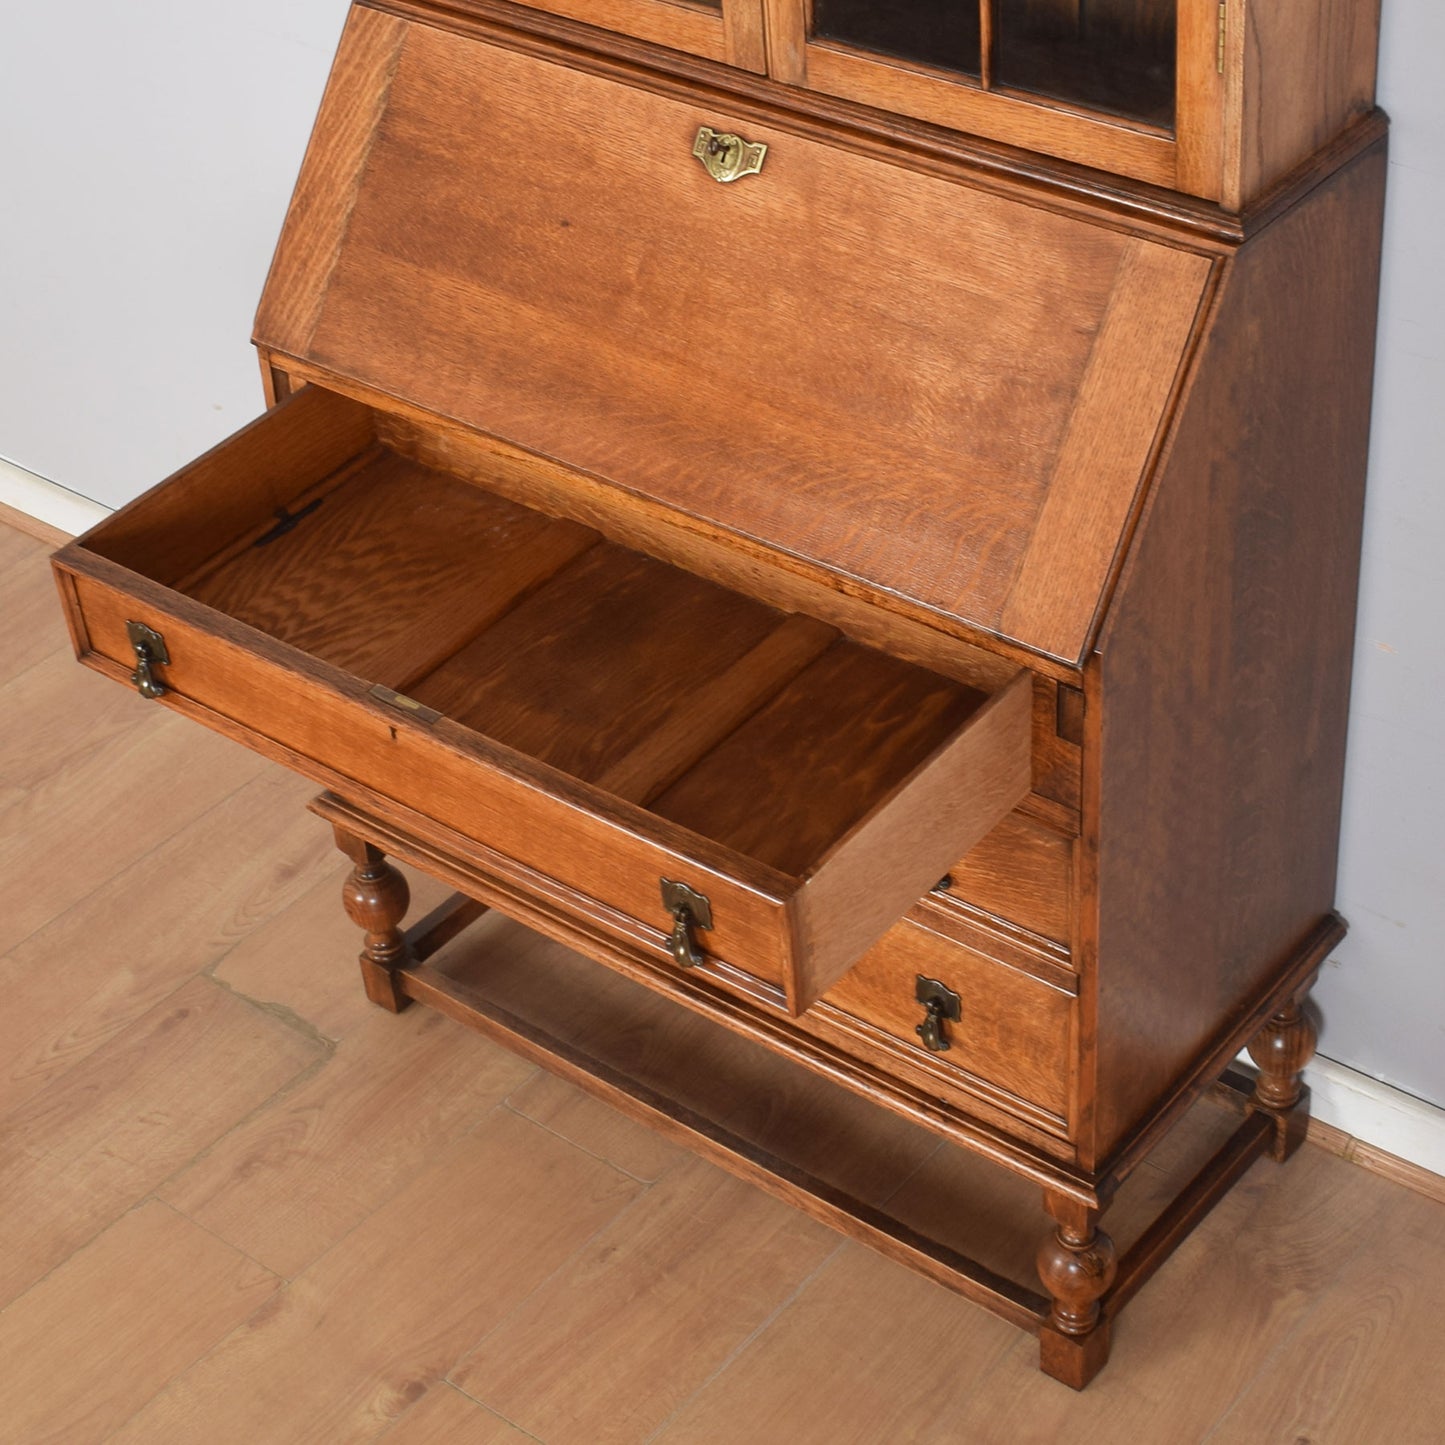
(1281, 1049)
(376, 897)
(1077, 1263)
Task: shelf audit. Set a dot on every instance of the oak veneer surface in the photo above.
(600, 662)
(1228, 646)
(1350, 1257)
(903, 381)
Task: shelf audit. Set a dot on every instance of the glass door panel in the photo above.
(1115, 56)
(941, 33)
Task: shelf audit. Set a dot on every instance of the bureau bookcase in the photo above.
(847, 515)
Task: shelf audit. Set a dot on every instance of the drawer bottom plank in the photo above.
(785, 1181)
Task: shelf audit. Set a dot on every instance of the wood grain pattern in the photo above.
(638, 382)
(882, 622)
(593, 1356)
(747, 41)
(424, 1276)
(1206, 103)
(591, 1125)
(330, 176)
(90, 1344)
(172, 530)
(1104, 459)
(284, 1187)
(883, 1383)
(1022, 872)
(1252, 557)
(615, 649)
(697, 29)
(382, 580)
(1016, 1033)
(947, 803)
(1308, 71)
(322, 994)
(204, 889)
(804, 770)
(1322, 1349)
(589, 682)
(444, 1416)
(99, 1138)
(30, 617)
(81, 807)
(1369, 1340)
(1142, 152)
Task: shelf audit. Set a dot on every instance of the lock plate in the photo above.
(727, 157)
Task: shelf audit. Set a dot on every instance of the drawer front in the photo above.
(785, 936)
(1022, 873)
(1012, 1045)
(334, 731)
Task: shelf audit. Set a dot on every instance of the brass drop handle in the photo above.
(690, 909)
(940, 1003)
(150, 652)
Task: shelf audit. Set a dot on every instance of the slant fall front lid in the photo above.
(943, 394)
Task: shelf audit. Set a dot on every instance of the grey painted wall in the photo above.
(148, 151)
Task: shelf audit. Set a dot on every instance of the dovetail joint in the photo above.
(1223, 25)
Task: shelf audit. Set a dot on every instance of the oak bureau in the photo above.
(845, 513)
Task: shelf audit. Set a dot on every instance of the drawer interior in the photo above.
(657, 686)
(581, 708)
(768, 732)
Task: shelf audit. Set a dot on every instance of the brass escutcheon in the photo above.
(727, 157)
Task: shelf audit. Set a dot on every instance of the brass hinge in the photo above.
(1223, 26)
(399, 700)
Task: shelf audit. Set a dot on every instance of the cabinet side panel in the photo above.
(326, 189)
(1225, 667)
(1309, 70)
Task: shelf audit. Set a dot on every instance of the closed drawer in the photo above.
(1021, 873)
(1011, 1045)
(600, 717)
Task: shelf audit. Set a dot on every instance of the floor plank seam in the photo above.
(283, 1288)
(15, 680)
(281, 1012)
(481, 1405)
(296, 1081)
(577, 1144)
(746, 1342)
(60, 1264)
(230, 1244)
(87, 897)
(562, 1264)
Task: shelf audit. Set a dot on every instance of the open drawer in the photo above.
(742, 789)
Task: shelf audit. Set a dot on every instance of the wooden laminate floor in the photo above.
(243, 1205)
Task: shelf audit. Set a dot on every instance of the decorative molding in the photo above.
(54, 513)
(1377, 1127)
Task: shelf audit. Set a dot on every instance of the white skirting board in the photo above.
(1372, 1112)
(48, 501)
